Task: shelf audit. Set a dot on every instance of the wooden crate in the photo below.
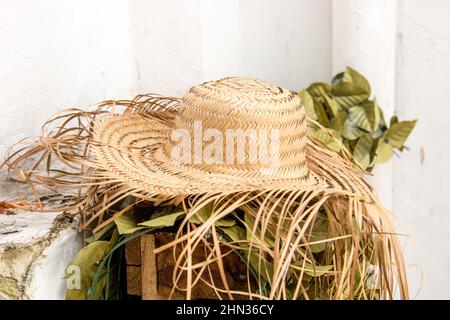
(141, 267)
(150, 275)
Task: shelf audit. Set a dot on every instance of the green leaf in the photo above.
(114, 238)
(350, 90)
(319, 233)
(326, 139)
(383, 152)
(235, 233)
(313, 270)
(393, 121)
(91, 254)
(321, 113)
(358, 80)
(378, 114)
(351, 131)
(74, 294)
(337, 123)
(163, 221)
(399, 132)
(308, 104)
(257, 237)
(317, 89)
(126, 224)
(382, 123)
(225, 222)
(365, 116)
(261, 266)
(102, 233)
(337, 79)
(87, 261)
(362, 149)
(203, 214)
(331, 105)
(349, 99)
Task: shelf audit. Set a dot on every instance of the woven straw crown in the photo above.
(247, 107)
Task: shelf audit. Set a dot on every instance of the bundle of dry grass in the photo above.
(308, 228)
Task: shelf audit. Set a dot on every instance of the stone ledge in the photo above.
(35, 248)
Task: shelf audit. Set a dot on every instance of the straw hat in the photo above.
(238, 149)
(139, 147)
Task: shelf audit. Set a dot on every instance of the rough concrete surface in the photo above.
(35, 248)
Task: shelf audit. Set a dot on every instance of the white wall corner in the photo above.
(364, 37)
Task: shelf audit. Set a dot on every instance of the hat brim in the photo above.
(129, 148)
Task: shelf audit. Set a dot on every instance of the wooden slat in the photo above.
(134, 280)
(133, 252)
(150, 276)
(133, 261)
(148, 268)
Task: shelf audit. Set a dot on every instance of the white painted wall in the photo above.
(421, 196)
(403, 47)
(167, 43)
(45, 280)
(61, 53)
(285, 42)
(182, 43)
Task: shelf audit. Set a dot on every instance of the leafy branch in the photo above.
(345, 108)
